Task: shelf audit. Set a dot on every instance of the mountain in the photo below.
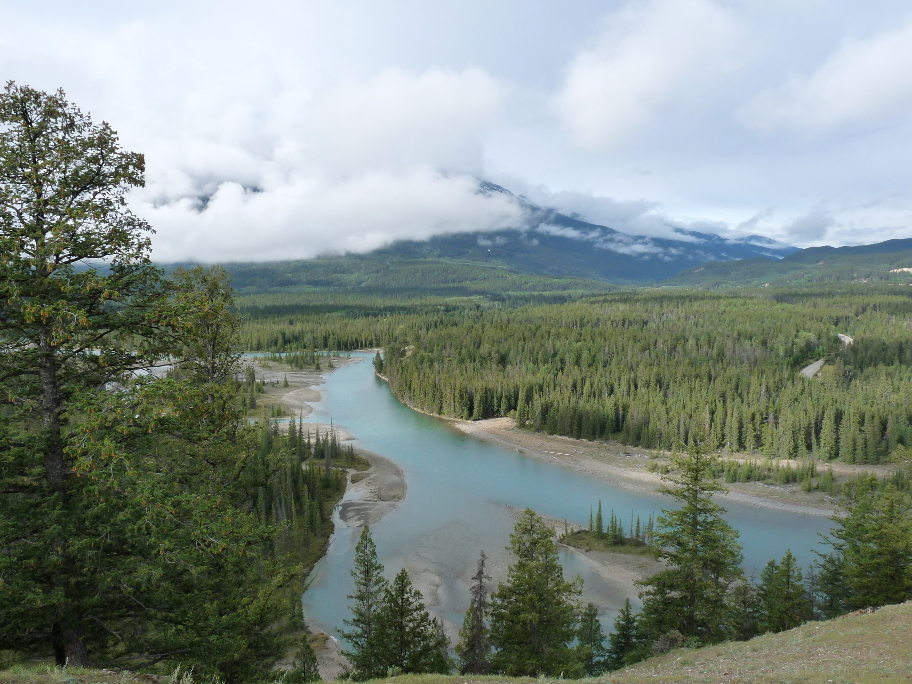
(550, 252)
(552, 243)
(880, 262)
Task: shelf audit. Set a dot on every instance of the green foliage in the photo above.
(304, 667)
(624, 643)
(871, 565)
(654, 368)
(701, 554)
(407, 639)
(370, 586)
(474, 647)
(533, 613)
(782, 598)
(590, 642)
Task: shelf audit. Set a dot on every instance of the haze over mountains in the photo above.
(560, 252)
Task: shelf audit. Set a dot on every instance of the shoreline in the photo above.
(603, 460)
(624, 465)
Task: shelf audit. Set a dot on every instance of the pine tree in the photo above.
(623, 641)
(781, 596)
(368, 598)
(590, 642)
(407, 639)
(599, 521)
(533, 613)
(474, 647)
(304, 667)
(701, 554)
(874, 540)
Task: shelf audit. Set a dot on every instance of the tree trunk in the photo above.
(75, 650)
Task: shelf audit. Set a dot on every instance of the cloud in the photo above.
(810, 227)
(258, 146)
(863, 82)
(647, 54)
(308, 217)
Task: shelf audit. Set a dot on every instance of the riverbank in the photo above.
(369, 495)
(626, 466)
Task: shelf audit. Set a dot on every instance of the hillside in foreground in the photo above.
(857, 648)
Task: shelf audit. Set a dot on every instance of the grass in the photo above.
(588, 541)
(861, 649)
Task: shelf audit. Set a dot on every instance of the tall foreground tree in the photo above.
(871, 561)
(701, 553)
(534, 613)
(407, 639)
(370, 586)
(63, 328)
(125, 527)
(782, 596)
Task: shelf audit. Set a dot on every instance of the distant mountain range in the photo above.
(554, 252)
(555, 244)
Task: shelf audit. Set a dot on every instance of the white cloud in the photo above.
(863, 82)
(398, 118)
(307, 217)
(810, 227)
(259, 147)
(647, 54)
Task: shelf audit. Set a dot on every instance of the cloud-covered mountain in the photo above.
(553, 243)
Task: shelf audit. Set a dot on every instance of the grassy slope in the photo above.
(861, 649)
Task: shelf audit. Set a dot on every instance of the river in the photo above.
(459, 499)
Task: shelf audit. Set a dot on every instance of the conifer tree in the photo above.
(701, 554)
(623, 641)
(474, 647)
(533, 613)
(781, 595)
(370, 587)
(407, 639)
(590, 642)
(873, 550)
(304, 667)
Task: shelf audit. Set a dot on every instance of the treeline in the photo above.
(660, 369)
(533, 623)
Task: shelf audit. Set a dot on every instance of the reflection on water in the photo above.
(459, 491)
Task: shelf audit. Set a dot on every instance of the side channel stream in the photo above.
(462, 496)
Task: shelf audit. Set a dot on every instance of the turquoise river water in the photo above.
(459, 499)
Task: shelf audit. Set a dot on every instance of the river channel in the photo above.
(462, 494)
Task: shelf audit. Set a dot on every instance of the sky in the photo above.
(286, 130)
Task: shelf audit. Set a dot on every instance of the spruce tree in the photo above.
(701, 553)
(474, 647)
(590, 642)
(874, 541)
(533, 613)
(623, 641)
(781, 596)
(407, 639)
(304, 667)
(370, 586)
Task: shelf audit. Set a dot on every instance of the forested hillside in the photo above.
(878, 263)
(650, 368)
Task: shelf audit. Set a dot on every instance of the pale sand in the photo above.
(625, 466)
(372, 497)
